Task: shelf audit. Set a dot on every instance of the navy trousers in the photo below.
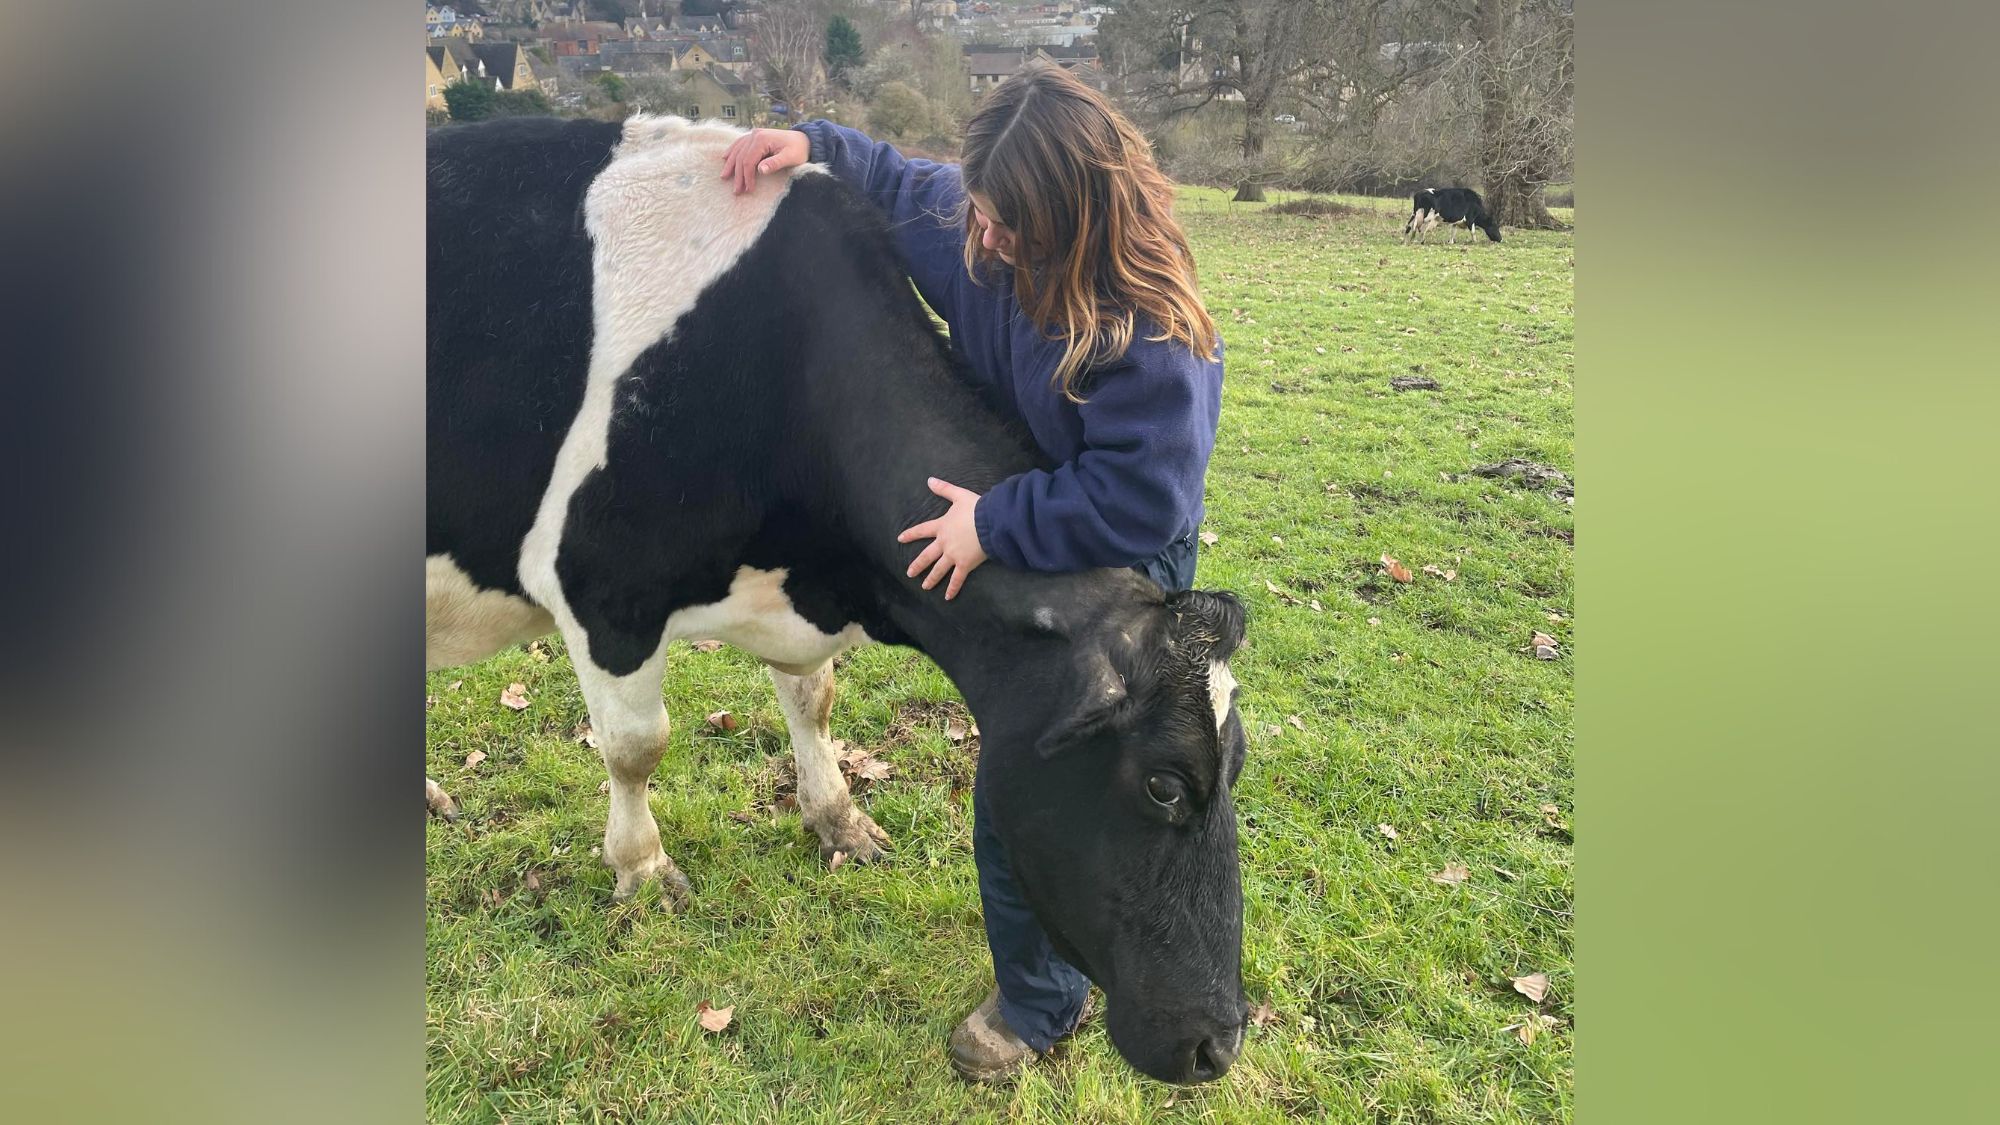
(1041, 995)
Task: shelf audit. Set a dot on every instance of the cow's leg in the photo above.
(824, 804)
(1451, 236)
(631, 727)
(438, 801)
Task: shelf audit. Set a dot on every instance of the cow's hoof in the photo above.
(851, 834)
(675, 893)
(438, 801)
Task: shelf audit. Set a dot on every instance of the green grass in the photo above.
(1422, 709)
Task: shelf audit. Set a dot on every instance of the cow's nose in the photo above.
(1209, 1059)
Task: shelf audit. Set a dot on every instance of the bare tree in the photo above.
(788, 51)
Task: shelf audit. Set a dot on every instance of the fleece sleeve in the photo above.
(921, 198)
(1148, 430)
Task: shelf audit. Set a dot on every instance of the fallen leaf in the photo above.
(1374, 621)
(1210, 538)
(1278, 539)
(722, 720)
(1534, 986)
(1296, 721)
(713, 1020)
(954, 729)
(585, 735)
(1316, 607)
(1552, 815)
(1452, 875)
(1389, 831)
(430, 701)
(604, 787)
(1544, 639)
(707, 646)
(454, 685)
(1277, 592)
(1546, 652)
(1397, 570)
(533, 883)
(1264, 1015)
(515, 698)
(1273, 730)
(742, 816)
(474, 758)
(1555, 618)
(874, 769)
(538, 651)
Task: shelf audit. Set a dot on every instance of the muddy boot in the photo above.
(984, 1048)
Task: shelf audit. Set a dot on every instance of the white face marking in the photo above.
(1221, 685)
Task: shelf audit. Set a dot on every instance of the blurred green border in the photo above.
(1787, 303)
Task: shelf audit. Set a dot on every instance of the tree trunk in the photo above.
(1511, 197)
(1251, 188)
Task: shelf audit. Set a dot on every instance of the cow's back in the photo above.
(509, 326)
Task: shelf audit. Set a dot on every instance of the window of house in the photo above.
(694, 110)
(434, 90)
(729, 111)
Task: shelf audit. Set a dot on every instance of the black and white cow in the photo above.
(659, 409)
(1455, 207)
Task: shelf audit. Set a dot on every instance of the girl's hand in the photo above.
(764, 151)
(954, 548)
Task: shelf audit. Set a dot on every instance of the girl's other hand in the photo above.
(954, 549)
(764, 151)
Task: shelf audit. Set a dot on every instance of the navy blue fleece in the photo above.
(1130, 460)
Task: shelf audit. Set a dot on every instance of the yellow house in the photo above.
(715, 94)
(507, 62)
(446, 63)
(695, 58)
(434, 84)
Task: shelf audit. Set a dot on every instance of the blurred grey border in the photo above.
(213, 270)
(213, 689)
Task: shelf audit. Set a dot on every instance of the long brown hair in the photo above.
(1093, 214)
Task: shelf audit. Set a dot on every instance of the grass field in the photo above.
(1369, 702)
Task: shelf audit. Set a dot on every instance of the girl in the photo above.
(1053, 255)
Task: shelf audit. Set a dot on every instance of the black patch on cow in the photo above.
(509, 312)
(751, 435)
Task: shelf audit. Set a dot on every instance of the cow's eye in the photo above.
(1165, 791)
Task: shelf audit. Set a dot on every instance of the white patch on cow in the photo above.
(463, 623)
(1045, 619)
(1221, 685)
(758, 618)
(664, 225)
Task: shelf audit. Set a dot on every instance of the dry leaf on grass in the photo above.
(955, 729)
(454, 685)
(1374, 621)
(712, 1019)
(1278, 539)
(1435, 572)
(474, 758)
(1264, 1015)
(539, 651)
(1397, 570)
(874, 769)
(1544, 639)
(582, 733)
(1388, 831)
(1535, 1024)
(1210, 538)
(1546, 652)
(1553, 815)
(1273, 729)
(1452, 875)
(1277, 592)
(515, 698)
(1296, 721)
(1534, 986)
(707, 646)
(722, 720)
(1316, 607)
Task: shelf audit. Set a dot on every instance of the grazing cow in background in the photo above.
(660, 409)
(1454, 207)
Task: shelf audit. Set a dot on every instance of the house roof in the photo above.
(995, 62)
(461, 50)
(500, 59)
(726, 80)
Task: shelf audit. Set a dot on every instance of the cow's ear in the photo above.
(1094, 709)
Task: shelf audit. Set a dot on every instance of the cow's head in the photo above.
(1118, 825)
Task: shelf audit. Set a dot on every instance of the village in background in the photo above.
(1367, 96)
